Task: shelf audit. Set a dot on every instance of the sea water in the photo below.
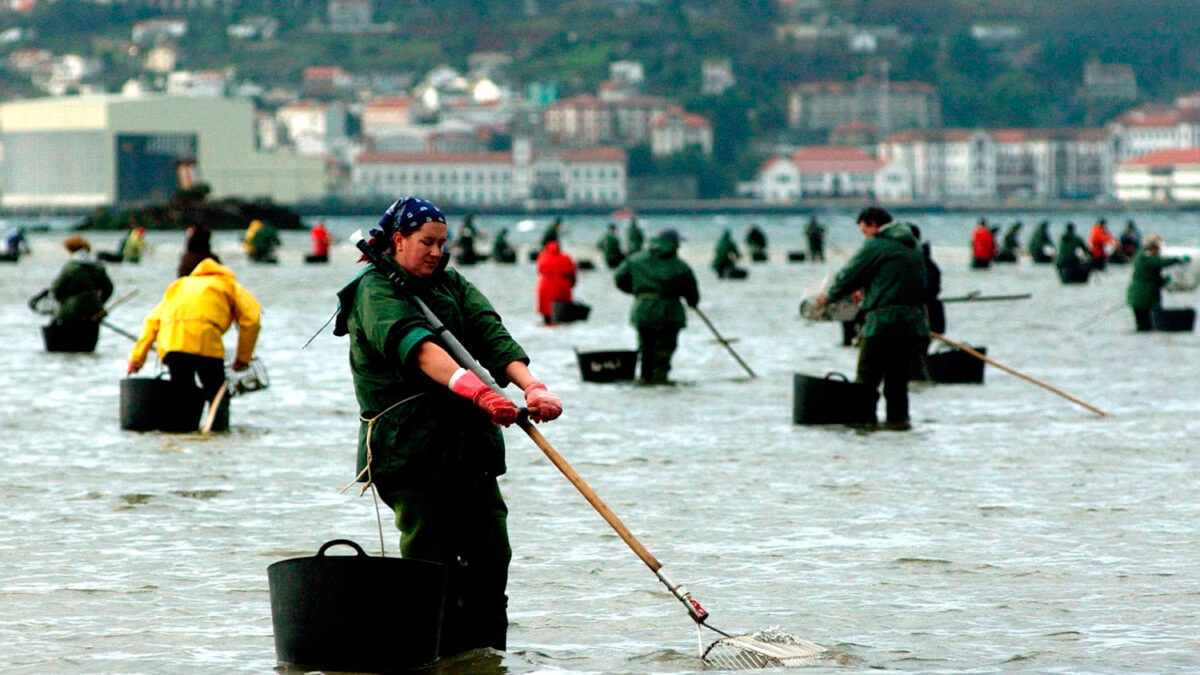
(1010, 530)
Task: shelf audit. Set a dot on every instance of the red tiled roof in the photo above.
(390, 103)
(1166, 158)
(829, 158)
(426, 158)
(322, 72)
(601, 154)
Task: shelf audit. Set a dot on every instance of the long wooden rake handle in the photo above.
(1023, 376)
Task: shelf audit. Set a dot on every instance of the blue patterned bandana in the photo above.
(407, 214)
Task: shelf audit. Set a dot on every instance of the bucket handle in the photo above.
(341, 542)
(833, 375)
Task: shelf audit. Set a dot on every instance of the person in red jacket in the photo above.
(556, 278)
(983, 245)
(1098, 242)
(320, 243)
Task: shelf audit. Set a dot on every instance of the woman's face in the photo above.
(420, 251)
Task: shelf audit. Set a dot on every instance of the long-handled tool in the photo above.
(974, 296)
(962, 347)
(113, 305)
(760, 650)
(723, 341)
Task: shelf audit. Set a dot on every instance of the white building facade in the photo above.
(1163, 176)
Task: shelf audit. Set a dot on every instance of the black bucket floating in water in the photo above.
(356, 613)
(158, 404)
(1074, 274)
(955, 366)
(1182, 320)
(566, 312)
(832, 400)
(797, 256)
(610, 366)
(75, 336)
(585, 264)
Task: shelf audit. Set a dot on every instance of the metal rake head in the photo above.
(770, 648)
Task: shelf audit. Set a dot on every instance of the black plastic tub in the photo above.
(797, 256)
(832, 400)
(158, 404)
(356, 613)
(76, 336)
(1181, 320)
(955, 366)
(609, 366)
(1075, 274)
(566, 312)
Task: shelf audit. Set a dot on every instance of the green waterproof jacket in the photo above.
(1067, 247)
(659, 280)
(610, 247)
(81, 289)
(423, 434)
(890, 269)
(1146, 282)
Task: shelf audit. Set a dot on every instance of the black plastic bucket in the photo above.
(76, 336)
(797, 256)
(1181, 320)
(566, 312)
(356, 613)
(158, 404)
(610, 366)
(759, 256)
(955, 366)
(585, 264)
(1075, 274)
(832, 400)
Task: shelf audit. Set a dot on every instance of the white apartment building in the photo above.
(882, 104)
(313, 129)
(594, 176)
(1163, 176)
(818, 171)
(1148, 129)
(586, 121)
(676, 131)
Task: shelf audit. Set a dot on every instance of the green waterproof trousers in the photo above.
(463, 525)
(657, 346)
(890, 360)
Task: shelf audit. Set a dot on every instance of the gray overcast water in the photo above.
(1011, 530)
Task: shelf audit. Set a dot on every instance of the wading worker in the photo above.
(890, 268)
(1146, 282)
(429, 439)
(658, 279)
(187, 324)
(81, 288)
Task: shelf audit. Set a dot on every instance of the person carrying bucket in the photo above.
(1145, 284)
(658, 280)
(725, 257)
(429, 441)
(610, 247)
(187, 324)
(1073, 259)
(890, 268)
(81, 288)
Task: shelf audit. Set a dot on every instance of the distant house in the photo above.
(1150, 128)
(151, 31)
(818, 171)
(675, 131)
(1109, 81)
(325, 81)
(1163, 176)
(716, 77)
(201, 83)
(349, 16)
(518, 177)
(885, 105)
(585, 121)
(312, 128)
(386, 114)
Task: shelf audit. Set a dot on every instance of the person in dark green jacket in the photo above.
(610, 247)
(429, 441)
(658, 280)
(1074, 259)
(1145, 284)
(1041, 249)
(890, 269)
(725, 257)
(634, 238)
(81, 287)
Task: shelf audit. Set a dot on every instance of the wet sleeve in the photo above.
(853, 276)
(391, 324)
(149, 334)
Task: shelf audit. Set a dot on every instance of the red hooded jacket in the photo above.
(983, 244)
(556, 278)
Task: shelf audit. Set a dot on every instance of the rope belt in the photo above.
(370, 484)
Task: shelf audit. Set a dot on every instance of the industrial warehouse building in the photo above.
(112, 150)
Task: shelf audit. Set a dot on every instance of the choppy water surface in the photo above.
(1010, 530)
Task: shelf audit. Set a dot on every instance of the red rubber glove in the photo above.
(469, 386)
(543, 406)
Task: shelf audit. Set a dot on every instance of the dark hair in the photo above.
(875, 215)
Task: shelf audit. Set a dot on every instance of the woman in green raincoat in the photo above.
(429, 440)
(1146, 282)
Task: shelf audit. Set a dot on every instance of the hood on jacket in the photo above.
(210, 267)
(899, 232)
(551, 247)
(663, 247)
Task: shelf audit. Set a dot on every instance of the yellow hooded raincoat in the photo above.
(195, 312)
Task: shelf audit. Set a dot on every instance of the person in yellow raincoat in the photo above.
(187, 325)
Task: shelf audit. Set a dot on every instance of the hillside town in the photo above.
(475, 138)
